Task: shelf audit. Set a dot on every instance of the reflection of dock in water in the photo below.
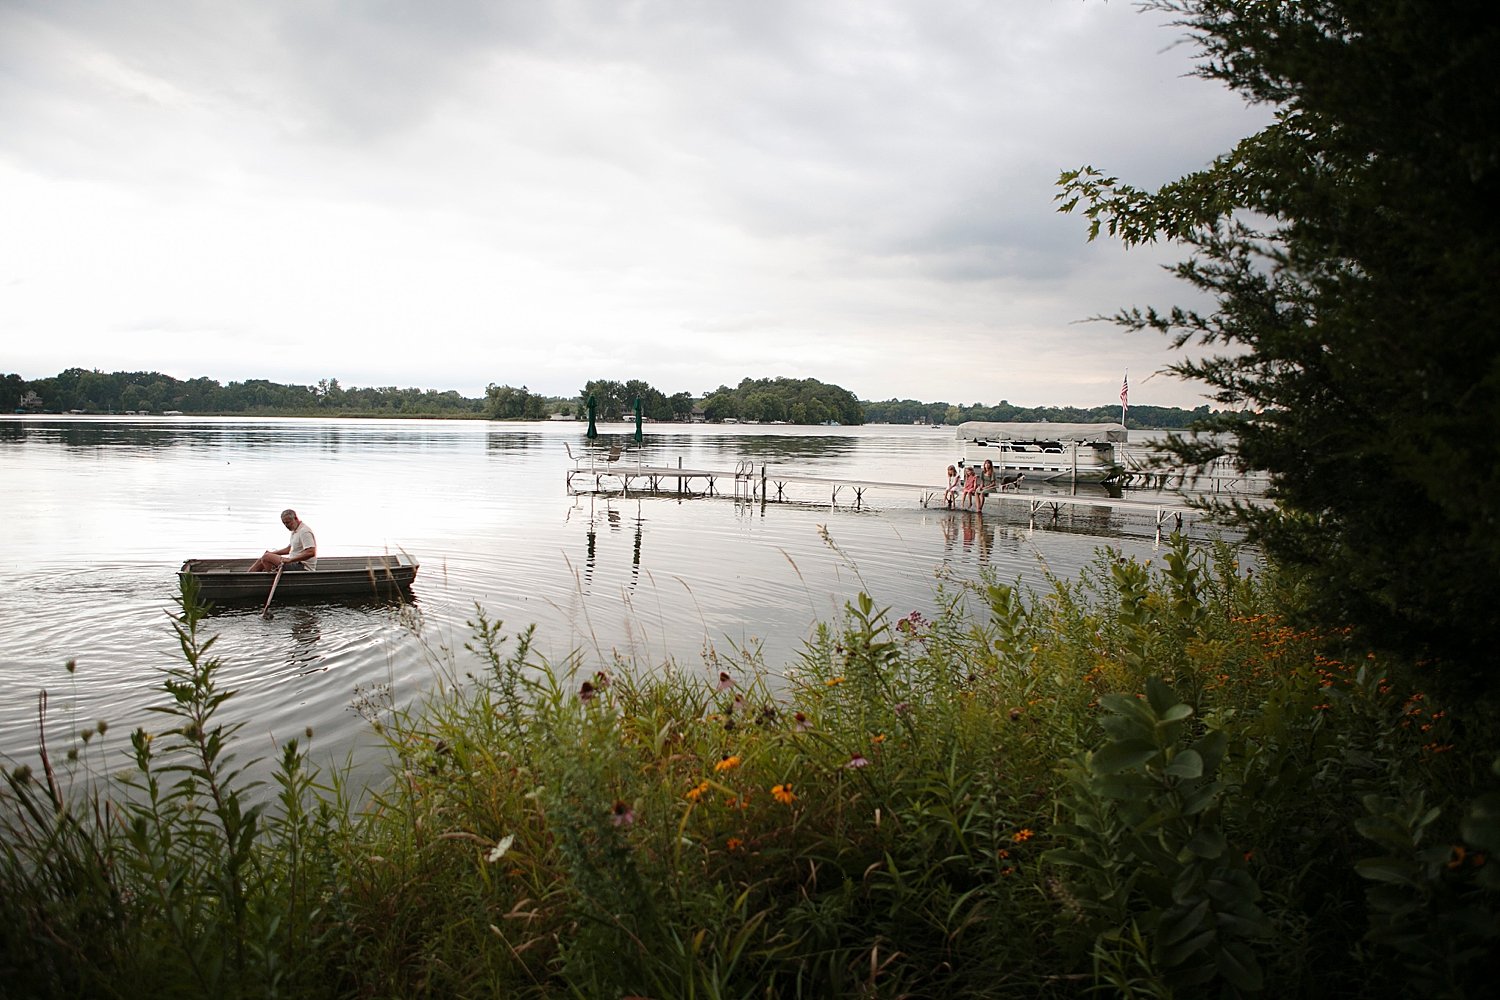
(749, 482)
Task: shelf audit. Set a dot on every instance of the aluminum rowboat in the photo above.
(336, 576)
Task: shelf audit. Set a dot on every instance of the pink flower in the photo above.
(620, 814)
(857, 761)
(725, 681)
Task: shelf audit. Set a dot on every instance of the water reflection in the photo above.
(305, 657)
(614, 520)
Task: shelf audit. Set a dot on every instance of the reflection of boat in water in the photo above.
(336, 576)
(1080, 453)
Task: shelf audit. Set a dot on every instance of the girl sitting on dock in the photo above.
(955, 483)
(971, 487)
(987, 483)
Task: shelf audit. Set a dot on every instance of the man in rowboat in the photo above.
(300, 553)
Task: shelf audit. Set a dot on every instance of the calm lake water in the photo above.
(103, 511)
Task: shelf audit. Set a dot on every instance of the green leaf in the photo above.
(1122, 755)
(1238, 966)
(1387, 870)
(1175, 927)
(1127, 707)
(1162, 698)
(1187, 764)
(1176, 713)
(1179, 953)
(1207, 843)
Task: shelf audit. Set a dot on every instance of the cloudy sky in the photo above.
(449, 194)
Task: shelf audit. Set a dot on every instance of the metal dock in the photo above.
(624, 477)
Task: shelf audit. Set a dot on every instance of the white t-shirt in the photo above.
(302, 538)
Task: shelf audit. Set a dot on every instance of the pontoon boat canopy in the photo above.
(984, 430)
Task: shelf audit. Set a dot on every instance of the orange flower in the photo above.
(783, 794)
(697, 793)
(1022, 835)
(1003, 853)
(734, 843)
(833, 682)
(729, 763)
(878, 738)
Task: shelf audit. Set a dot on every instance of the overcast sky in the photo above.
(690, 192)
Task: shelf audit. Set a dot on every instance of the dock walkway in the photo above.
(747, 481)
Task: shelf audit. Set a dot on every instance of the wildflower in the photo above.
(1002, 854)
(498, 851)
(1015, 715)
(103, 726)
(734, 843)
(697, 792)
(1008, 870)
(620, 814)
(1022, 835)
(1457, 855)
(833, 682)
(729, 763)
(783, 794)
(601, 680)
(725, 681)
(801, 723)
(586, 692)
(857, 761)
(878, 739)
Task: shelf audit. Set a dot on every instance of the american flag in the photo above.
(1125, 391)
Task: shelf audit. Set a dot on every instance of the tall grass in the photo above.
(1143, 782)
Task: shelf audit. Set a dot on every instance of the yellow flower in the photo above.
(1022, 836)
(728, 763)
(695, 794)
(783, 794)
(878, 738)
(833, 681)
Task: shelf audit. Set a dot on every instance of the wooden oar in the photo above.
(266, 611)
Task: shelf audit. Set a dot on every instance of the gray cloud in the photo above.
(830, 183)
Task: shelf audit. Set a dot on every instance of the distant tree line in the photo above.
(80, 390)
(910, 411)
(794, 401)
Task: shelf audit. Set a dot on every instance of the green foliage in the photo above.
(117, 392)
(504, 402)
(1142, 781)
(794, 401)
(1150, 847)
(187, 884)
(1349, 252)
(910, 411)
